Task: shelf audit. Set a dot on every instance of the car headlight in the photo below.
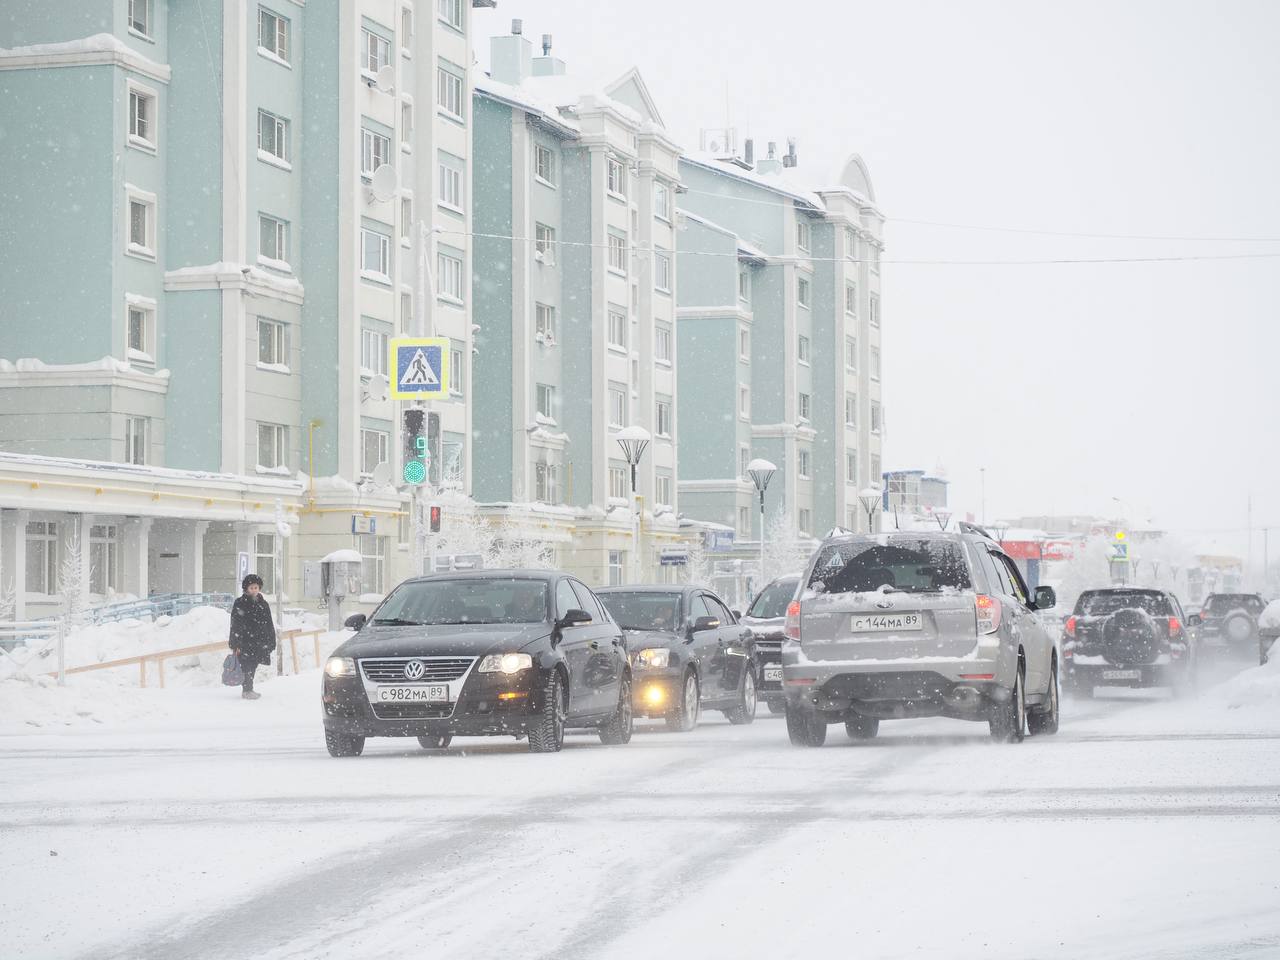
(506, 663)
(340, 667)
(653, 657)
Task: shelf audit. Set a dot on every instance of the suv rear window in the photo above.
(1103, 603)
(773, 599)
(1221, 603)
(912, 564)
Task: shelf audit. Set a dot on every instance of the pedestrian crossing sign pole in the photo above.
(419, 368)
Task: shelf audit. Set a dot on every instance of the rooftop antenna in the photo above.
(517, 27)
(546, 44)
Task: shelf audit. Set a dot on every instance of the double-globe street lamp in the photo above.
(761, 472)
(870, 498)
(634, 440)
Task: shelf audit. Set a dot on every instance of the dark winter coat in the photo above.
(252, 631)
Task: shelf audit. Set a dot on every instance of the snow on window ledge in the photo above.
(141, 356)
(141, 143)
(267, 157)
(141, 36)
(274, 57)
(454, 301)
(138, 250)
(375, 276)
(274, 367)
(271, 263)
(280, 471)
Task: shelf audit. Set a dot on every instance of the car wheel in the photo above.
(1238, 628)
(1046, 719)
(1009, 720)
(618, 729)
(435, 741)
(805, 727)
(546, 730)
(745, 711)
(683, 717)
(341, 745)
(862, 728)
(777, 708)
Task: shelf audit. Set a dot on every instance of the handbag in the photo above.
(232, 674)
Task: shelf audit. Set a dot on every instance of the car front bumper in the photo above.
(655, 690)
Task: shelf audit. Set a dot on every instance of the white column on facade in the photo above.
(234, 231)
(345, 434)
(521, 307)
(191, 551)
(135, 546)
(13, 559)
(601, 442)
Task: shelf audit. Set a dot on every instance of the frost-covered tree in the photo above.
(73, 574)
(785, 550)
(700, 566)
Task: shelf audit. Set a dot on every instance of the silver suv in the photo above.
(908, 624)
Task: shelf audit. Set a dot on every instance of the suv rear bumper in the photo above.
(1117, 675)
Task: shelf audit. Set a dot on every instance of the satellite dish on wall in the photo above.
(382, 474)
(386, 79)
(384, 182)
(378, 388)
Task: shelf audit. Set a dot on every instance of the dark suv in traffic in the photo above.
(1129, 637)
(516, 653)
(767, 616)
(1229, 621)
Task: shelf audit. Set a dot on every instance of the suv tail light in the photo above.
(1070, 626)
(1175, 626)
(792, 627)
(988, 613)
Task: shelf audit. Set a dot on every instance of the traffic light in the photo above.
(434, 524)
(421, 446)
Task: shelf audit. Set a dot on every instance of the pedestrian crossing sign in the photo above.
(419, 367)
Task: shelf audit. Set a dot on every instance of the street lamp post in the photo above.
(1000, 528)
(870, 498)
(761, 472)
(633, 440)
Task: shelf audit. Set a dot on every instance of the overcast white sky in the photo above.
(1154, 384)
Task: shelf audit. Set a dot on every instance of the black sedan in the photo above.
(766, 618)
(515, 653)
(687, 652)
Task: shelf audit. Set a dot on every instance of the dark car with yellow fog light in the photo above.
(512, 652)
(688, 653)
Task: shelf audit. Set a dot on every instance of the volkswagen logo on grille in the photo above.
(882, 604)
(415, 670)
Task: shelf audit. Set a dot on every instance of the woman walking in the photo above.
(253, 635)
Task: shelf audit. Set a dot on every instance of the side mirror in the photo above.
(1194, 620)
(1046, 598)
(737, 615)
(356, 621)
(574, 618)
(705, 623)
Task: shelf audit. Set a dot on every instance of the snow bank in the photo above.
(1270, 618)
(1257, 688)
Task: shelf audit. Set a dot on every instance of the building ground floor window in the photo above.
(617, 564)
(104, 558)
(42, 557)
(264, 556)
(373, 562)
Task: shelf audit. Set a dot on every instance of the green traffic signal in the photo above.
(415, 472)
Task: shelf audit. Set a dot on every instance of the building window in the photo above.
(617, 560)
(805, 521)
(617, 329)
(851, 353)
(663, 492)
(803, 406)
(662, 342)
(744, 521)
(142, 226)
(744, 459)
(104, 558)
(544, 323)
(449, 93)
(875, 467)
(375, 354)
(744, 402)
(141, 326)
(875, 258)
(271, 344)
(137, 432)
(850, 244)
(375, 447)
(662, 418)
(617, 482)
(851, 409)
(875, 363)
(544, 243)
(457, 374)
(449, 276)
(875, 311)
(273, 241)
(406, 218)
(406, 124)
(744, 344)
(264, 560)
(803, 464)
(876, 417)
(544, 164)
(617, 253)
(42, 557)
(271, 446)
(546, 401)
(273, 136)
(373, 562)
(850, 299)
(802, 235)
(802, 349)
(744, 285)
(406, 309)
(273, 34)
(375, 150)
(406, 29)
(617, 178)
(662, 201)
(377, 52)
(617, 405)
(140, 17)
(142, 118)
(450, 177)
(545, 482)
(451, 13)
(662, 271)
(802, 291)
(375, 255)
(851, 467)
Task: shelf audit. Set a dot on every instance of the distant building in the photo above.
(913, 492)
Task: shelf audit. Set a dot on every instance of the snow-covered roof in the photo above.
(95, 49)
(141, 471)
(528, 100)
(748, 249)
(342, 556)
(104, 365)
(784, 182)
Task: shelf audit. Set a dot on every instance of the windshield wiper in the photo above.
(397, 622)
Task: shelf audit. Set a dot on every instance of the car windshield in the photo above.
(911, 564)
(488, 600)
(1221, 603)
(644, 610)
(772, 601)
(1106, 602)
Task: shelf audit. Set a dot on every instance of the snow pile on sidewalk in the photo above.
(1256, 688)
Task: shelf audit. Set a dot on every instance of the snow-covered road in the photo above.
(1145, 829)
